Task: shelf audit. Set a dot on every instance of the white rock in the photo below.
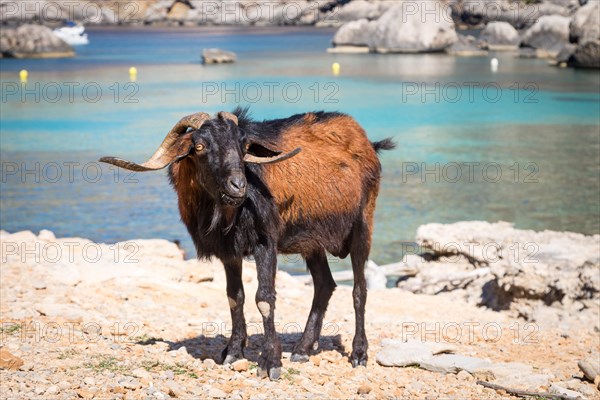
(216, 393)
(395, 353)
(550, 33)
(401, 31)
(453, 363)
(47, 235)
(88, 380)
(556, 389)
(500, 36)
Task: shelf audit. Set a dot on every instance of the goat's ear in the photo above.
(261, 153)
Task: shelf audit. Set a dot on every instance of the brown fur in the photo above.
(322, 179)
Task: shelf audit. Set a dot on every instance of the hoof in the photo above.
(273, 374)
(359, 359)
(299, 358)
(230, 358)
(359, 363)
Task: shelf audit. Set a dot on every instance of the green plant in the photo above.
(177, 368)
(63, 355)
(106, 363)
(145, 339)
(10, 329)
(289, 374)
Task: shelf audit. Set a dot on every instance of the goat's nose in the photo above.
(237, 184)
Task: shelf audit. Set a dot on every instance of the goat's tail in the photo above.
(385, 144)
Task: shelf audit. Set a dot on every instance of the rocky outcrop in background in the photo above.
(565, 30)
(561, 30)
(399, 30)
(551, 278)
(585, 33)
(28, 41)
(174, 12)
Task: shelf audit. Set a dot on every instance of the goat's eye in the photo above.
(199, 147)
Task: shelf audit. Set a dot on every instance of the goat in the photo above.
(234, 205)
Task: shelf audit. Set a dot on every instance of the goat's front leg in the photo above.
(235, 296)
(266, 267)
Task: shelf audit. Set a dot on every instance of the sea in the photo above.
(517, 143)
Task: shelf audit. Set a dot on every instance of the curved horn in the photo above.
(168, 151)
(226, 115)
(269, 160)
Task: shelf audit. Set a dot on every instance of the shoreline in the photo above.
(159, 325)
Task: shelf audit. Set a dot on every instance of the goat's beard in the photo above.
(222, 213)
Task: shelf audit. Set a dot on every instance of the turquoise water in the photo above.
(521, 144)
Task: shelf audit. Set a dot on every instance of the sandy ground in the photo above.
(155, 329)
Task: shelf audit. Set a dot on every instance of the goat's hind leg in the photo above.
(324, 286)
(361, 245)
(235, 295)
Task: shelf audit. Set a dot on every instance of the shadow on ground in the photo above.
(203, 347)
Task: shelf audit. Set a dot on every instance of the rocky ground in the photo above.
(135, 320)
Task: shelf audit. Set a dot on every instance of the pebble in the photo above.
(159, 395)
(364, 389)
(88, 380)
(167, 375)
(209, 363)
(132, 384)
(564, 391)
(415, 387)
(175, 389)
(9, 361)
(464, 375)
(240, 365)
(52, 390)
(84, 393)
(316, 360)
(216, 393)
(64, 385)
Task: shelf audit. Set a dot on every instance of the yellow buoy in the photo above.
(335, 68)
(23, 74)
(133, 73)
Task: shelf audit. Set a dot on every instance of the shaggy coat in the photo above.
(305, 185)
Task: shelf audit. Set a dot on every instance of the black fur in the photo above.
(229, 229)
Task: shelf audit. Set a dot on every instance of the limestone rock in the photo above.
(355, 33)
(500, 36)
(9, 361)
(396, 353)
(466, 46)
(32, 41)
(217, 56)
(585, 32)
(399, 31)
(550, 33)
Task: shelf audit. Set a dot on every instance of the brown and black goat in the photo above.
(235, 205)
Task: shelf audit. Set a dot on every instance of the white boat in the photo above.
(74, 34)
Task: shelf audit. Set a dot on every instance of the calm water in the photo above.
(521, 144)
